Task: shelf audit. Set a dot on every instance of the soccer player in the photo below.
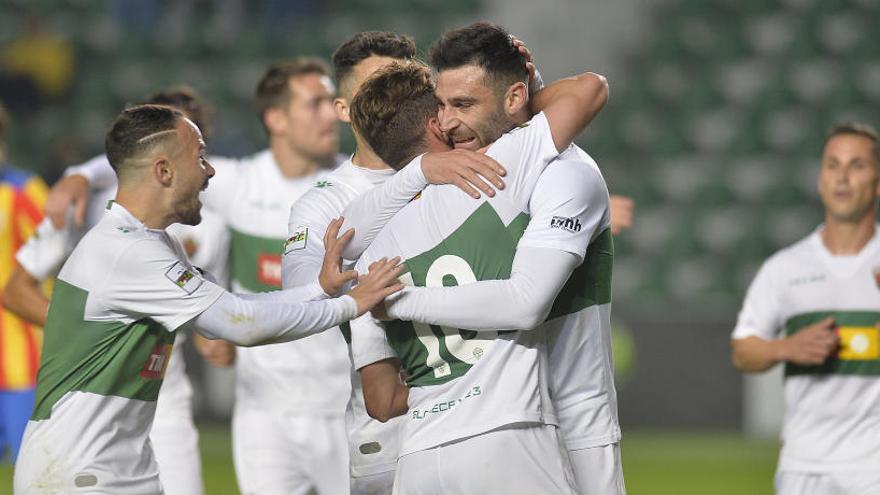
(466, 393)
(174, 436)
(372, 445)
(22, 195)
(815, 306)
(565, 250)
(287, 393)
(124, 292)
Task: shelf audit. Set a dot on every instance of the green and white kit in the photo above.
(116, 304)
(372, 446)
(832, 411)
(463, 383)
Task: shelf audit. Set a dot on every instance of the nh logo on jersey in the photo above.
(566, 223)
(154, 368)
(183, 277)
(297, 241)
(858, 343)
(269, 269)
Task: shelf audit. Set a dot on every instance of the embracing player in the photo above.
(372, 446)
(466, 393)
(561, 272)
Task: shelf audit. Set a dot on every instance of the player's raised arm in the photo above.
(273, 317)
(570, 104)
(470, 171)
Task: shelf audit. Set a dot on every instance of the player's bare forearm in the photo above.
(384, 395)
(570, 104)
(23, 297)
(754, 354)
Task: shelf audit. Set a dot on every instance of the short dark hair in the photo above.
(484, 44)
(857, 129)
(188, 101)
(138, 129)
(391, 109)
(368, 44)
(273, 89)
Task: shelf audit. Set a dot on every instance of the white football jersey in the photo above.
(372, 445)
(832, 411)
(570, 212)
(463, 383)
(305, 376)
(117, 301)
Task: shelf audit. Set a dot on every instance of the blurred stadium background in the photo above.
(714, 127)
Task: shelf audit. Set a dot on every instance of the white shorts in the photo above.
(373, 484)
(840, 483)
(283, 454)
(173, 435)
(597, 470)
(514, 460)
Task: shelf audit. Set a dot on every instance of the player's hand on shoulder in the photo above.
(70, 190)
(332, 278)
(470, 171)
(379, 283)
(813, 344)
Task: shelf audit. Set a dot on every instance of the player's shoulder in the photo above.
(571, 174)
(796, 255)
(513, 137)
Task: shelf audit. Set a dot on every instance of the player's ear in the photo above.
(516, 97)
(273, 119)
(163, 171)
(341, 107)
(435, 129)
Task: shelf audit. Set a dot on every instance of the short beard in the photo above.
(495, 126)
(189, 213)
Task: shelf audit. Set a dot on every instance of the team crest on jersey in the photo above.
(157, 362)
(183, 277)
(297, 241)
(877, 276)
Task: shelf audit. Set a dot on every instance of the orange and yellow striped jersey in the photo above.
(22, 196)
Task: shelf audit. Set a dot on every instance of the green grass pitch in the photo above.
(654, 463)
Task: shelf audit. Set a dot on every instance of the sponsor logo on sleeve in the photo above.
(297, 241)
(566, 223)
(184, 277)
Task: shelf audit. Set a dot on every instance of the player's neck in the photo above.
(143, 207)
(365, 157)
(847, 238)
(291, 163)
